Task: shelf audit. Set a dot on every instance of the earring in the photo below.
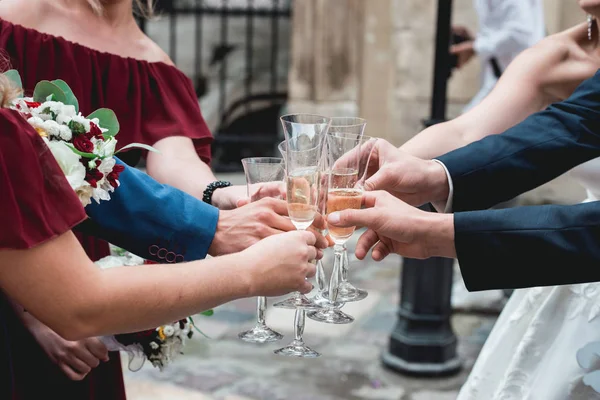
(590, 21)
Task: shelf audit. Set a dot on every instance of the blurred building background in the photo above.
(253, 60)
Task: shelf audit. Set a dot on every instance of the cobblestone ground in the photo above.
(225, 368)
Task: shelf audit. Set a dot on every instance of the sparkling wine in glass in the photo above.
(343, 176)
(304, 134)
(344, 192)
(262, 173)
(320, 279)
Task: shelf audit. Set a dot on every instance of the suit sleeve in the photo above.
(544, 146)
(154, 221)
(529, 246)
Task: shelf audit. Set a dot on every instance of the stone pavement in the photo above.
(225, 368)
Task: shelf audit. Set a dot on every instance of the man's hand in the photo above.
(241, 228)
(409, 178)
(396, 227)
(464, 51)
(75, 359)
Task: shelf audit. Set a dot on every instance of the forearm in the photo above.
(544, 146)
(436, 140)
(529, 246)
(92, 302)
(189, 174)
(186, 289)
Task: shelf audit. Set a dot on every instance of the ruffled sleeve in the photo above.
(36, 201)
(178, 111)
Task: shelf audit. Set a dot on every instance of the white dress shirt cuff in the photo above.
(483, 47)
(447, 208)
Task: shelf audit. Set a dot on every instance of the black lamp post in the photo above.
(422, 342)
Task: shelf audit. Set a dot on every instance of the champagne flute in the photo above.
(304, 135)
(340, 197)
(346, 178)
(262, 172)
(320, 298)
(304, 143)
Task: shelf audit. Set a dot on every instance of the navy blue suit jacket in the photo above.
(536, 245)
(154, 221)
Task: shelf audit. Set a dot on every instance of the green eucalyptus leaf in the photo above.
(139, 146)
(46, 89)
(207, 313)
(71, 99)
(108, 120)
(15, 78)
(81, 153)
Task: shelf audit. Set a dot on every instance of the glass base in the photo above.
(347, 293)
(260, 334)
(297, 349)
(330, 316)
(324, 302)
(300, 301)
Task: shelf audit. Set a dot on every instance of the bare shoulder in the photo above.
(152, 51)
(557, 64)
(570, 60)
(27, 13)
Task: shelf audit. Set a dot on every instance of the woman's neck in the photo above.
(116, 13)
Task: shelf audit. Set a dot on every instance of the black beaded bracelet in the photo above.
(210, 189)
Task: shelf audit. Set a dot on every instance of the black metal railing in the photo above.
(231, 28)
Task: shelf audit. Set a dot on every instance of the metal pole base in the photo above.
(449, 367)
(422, 342)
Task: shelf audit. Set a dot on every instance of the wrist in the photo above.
(212, 194)
(438, 181)
(216, 246)
(437, 233)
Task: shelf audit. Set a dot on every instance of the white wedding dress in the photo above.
(546, 343)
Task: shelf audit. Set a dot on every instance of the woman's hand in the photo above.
(76, 359)
(280, 264)
(227, 198)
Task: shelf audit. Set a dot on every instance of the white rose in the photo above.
(168, 330)
(107, 148)
(107, 165)
(85, 194)
(154, 345)
(69, 164)
(98, 193)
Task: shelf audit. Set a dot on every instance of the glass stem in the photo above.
(344, 263)
(299, 321)
(261, 308)
(320, 277)
(334, 281)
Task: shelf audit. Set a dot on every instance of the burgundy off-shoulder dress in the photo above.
(152, 100)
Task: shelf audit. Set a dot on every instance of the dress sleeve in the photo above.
(174, 111)
(36, 201)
